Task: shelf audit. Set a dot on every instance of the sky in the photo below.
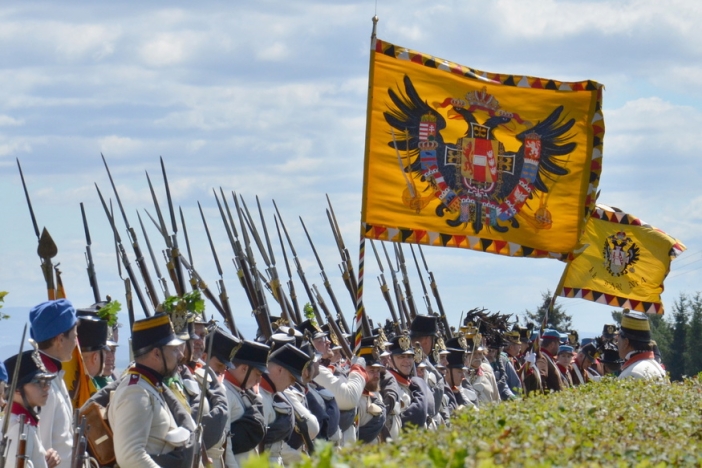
(268, 99)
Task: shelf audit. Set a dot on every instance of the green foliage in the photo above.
(2, 299)
(557, 318)
(693, 357)
(678, 348)
(608, 423)
(308, 311)
(192, 302)
(109, 312)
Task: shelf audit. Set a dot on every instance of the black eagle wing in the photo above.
(552, 132)
(406, 117)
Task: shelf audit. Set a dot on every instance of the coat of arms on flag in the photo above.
(463, 158)
(622, 263)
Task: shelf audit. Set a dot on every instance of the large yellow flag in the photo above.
(463, 158)
(622, 262)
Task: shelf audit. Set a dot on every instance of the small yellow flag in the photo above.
(622, 262)
(458, 157)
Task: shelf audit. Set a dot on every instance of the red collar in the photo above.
(232, 380)
(267, 385)
(21, 410)
(193, 366)
(52, 365)
(147, 374)
(562, 369)
(400, 378)
(638, 357)
(547, 353)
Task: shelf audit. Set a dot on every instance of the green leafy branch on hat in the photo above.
(308, 310)
(2, 299)
(190, 302)
(109, 312)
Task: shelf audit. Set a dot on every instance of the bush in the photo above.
(610, 423)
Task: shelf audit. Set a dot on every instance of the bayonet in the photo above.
(224, 299)
(405, 280)
(291, 285)
(123, 256)
(174, 252)
(298, 267)
(203, 287)
(193, 281)
(401, 306)
(427, 301)
(435, 292)
(141, 264)
(92, 277)
(385, 290)
(261, 313)
(344, 252)
(161, 279)
(333, 326)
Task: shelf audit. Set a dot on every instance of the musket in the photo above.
(333, 326)
(193, 281)
(352, 284)
(298, 267)
(239, 259)
(427, 301)
(261, 312)
(273, 281)
(127, 284)
(385, 290)
(224, 299)
(21, 456)
(6, 416)
(405, 280)
(175, 253)
(141, 264)
(123, 256)
(78, 455)
(92, 277)
(161, 279)
(435, 292)
(161, 226)
(325, 279)
(399, 297)
(291, 285)
(47, 248)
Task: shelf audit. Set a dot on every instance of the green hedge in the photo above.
(610, 423)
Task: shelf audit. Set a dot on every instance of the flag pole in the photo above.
(361, 324)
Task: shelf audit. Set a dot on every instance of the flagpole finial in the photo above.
(375, 23)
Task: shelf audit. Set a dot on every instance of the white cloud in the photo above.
(7, 121)
(165, 50)
(117, 146)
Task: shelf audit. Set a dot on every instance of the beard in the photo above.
(373, 385)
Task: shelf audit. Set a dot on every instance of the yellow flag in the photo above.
(78, 382)
(458, 157)
(622, 263)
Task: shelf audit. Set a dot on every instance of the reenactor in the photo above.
(320, 401)
(414, 393)
(582, 370)
(498, 364)
(545, 365)
(246, 426)
(372, 413)
(610, 360)
(512, 349)
(424, 330)
(463, 393)
(145, 430)
(92, 339)
(347, 388)
(479, 373)
(285, 365)
(32, 393)
(564, 361)
(609, 333)
(635, 347)
(53, 328)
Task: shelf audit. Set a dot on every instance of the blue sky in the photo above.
(268, 98)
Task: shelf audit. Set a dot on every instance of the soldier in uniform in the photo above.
(145, 431)
(424, 330)
(635, 347)
(463, 394)
(320, 401)
(285, 366)
(513, 347)
(582, 370)
(479, 373)
(414, 393)
(372, 413)
(92, 338)
(610, 360)
(545, 365)
(347, 388)
(33, 383)
(53, 328)
(564, 361)
(246, 424)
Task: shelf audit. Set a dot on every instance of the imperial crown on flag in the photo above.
(622, 263)
(458, 157)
